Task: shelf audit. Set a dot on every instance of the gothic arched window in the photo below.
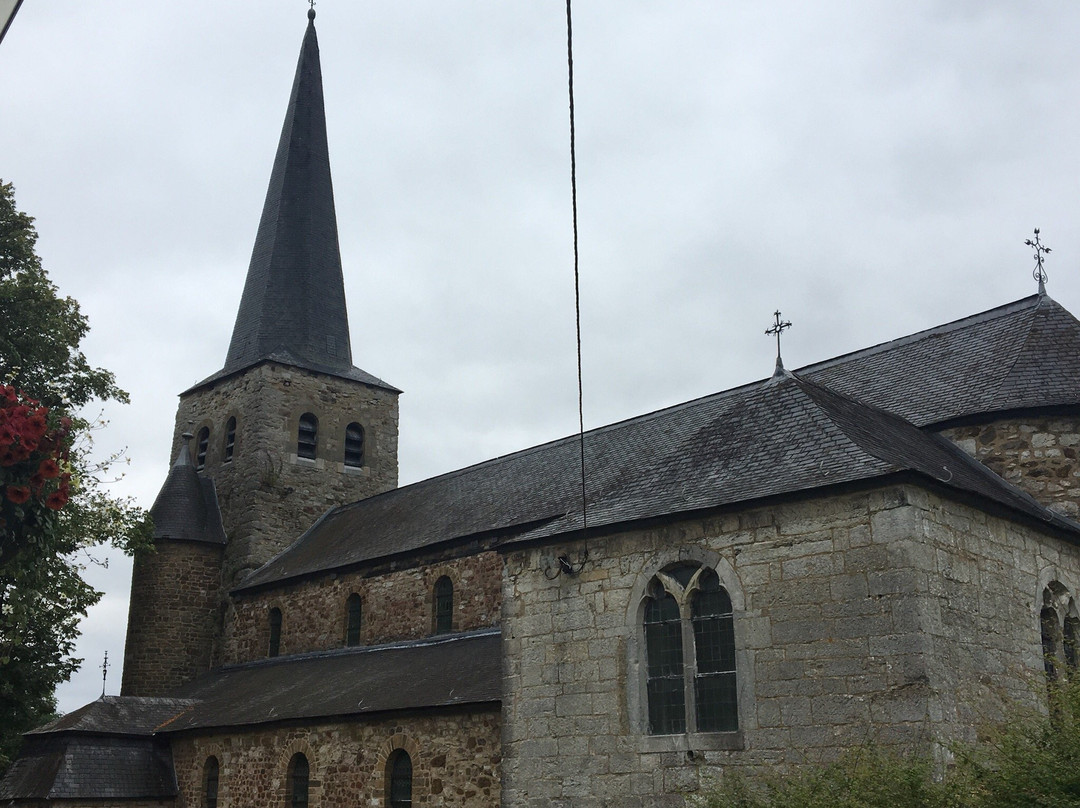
(299, 773)
(353, 612)
(230, 439)
(211, 772)
(274, 647)
(354, 445)
(1072, 643)
(689, 659)
(443, 606)
(307, 436)
(399, 780)
(202, 444)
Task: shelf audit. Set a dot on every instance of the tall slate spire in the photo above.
(293, 306)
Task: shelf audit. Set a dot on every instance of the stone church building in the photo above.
(876, 548)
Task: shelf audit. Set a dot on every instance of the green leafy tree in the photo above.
(53, 506)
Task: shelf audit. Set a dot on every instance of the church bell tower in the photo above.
(289, 427)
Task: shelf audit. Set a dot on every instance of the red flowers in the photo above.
(33, 451)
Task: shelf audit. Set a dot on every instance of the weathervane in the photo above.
(104, 673)
(1039, 273)
(778, 327)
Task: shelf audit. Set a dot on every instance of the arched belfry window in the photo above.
(399, 780)
(353, 613)
(307, 437)
(689, 659)
(274, 647)
(202, 444)
(230, 439)
(354, 445)
(298, 776)
(211, 773)
(443, 606)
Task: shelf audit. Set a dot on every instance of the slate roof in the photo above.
(105, 750)
(186, 508)
(1024, 355)
(293, 308)
(447, 671)
(783, 436)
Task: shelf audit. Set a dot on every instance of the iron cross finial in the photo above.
(1039, 273)
(778, 327)
(104, 673)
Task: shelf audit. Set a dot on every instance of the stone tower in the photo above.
(289, 427)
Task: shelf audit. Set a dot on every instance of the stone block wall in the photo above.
(173, 617)
(268, 495)
(839, 636)
(1039, 455)
(455, 758)
(396, 606)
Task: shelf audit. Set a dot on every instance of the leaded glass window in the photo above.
(444, 606)
(666, 685)
(298, 781)
(716, 694)
(1072, 643)
(353, 611)
(307, 437)
(354, 445)
(275, 632)
(400, 779)
(211, 783)
(1049, 628)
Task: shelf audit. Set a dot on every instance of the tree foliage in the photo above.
(1032, 760)
(53, 506)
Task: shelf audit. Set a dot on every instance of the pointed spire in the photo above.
(186, 508)
(293, 306)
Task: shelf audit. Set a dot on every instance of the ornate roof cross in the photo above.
(778, 327)
(104, 673)
(1039, 273)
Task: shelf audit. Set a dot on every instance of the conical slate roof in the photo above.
(293, 307)
(186, 508)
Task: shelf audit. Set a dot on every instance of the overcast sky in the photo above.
(871, 169)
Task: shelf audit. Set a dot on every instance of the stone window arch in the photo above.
(297, 779)
(354, 606)
(689, 682)
(211, 775)
(202, 445)
(399, 779)
(307, 436)
(355, 448)
(229, 446)
(274, 644)
(443, 606)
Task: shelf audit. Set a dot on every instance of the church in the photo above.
(878, 548)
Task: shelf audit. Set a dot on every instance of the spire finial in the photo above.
(1038, 273)
(104, 673)
(311, 11)
(778, 327)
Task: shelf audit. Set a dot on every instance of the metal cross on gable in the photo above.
(1039, 273)
(778, 327)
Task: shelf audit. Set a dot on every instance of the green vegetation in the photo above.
(53, 506)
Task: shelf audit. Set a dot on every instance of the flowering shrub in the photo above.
(34, 458)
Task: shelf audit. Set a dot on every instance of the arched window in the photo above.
(444, 606)
(399, 780)
(688, 631)
(307, 436)
(275, 632)
(353, 612)
(210, 782)
(299, 774)
(201, 445)
(354, 445)
(1072, 643)
(1051, 634)
(230, 439)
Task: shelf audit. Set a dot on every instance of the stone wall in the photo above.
(268, 495)
(843, 630)
(1038, 455)
(173, 617)
(396, 606)
(455, 758)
